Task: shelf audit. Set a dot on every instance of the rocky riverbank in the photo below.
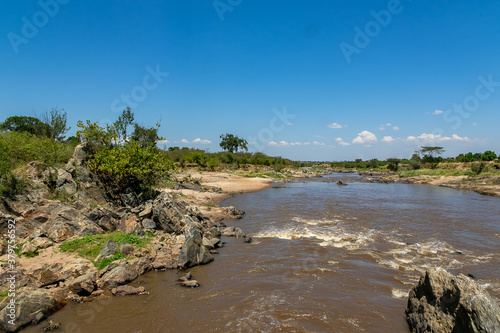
(488, 185)
(181, 228)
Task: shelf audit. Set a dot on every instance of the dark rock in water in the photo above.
(247, 239)
(341, 183)
(186, 281)
(232, 232)
(127, 291)
(441, 302)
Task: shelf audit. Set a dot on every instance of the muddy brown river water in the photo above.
(325, 258)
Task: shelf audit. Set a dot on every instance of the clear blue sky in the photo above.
(361, 79)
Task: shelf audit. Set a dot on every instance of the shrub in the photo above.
(131, 167)
(477, 168)
(415, 164)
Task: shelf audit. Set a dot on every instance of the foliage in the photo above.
(431, 150)
(123, 163)
(477, 168)
(122, 123)
(56, 121)
(146, 137)
(89, 246)
(19, 148)
(488, 156)
(11, 185)
(26, 124)
(232, 143)
(393, 164)
(130, 167)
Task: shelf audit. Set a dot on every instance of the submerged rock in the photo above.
(441, 302)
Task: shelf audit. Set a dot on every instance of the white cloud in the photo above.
(426, 137)
(289, 124)
(383, 127)
(365, 137)
(388, 139)
(202, 142)
(162, 142)
(316, 143)
(336, 126)
(438, 112)
(296, 143)
(278, 144)
(184, 141)
(474, 124)
(342, 142)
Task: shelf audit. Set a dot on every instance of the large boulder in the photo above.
(441, 302)
(83, 285)
(167, 214)
(31, 306)
(117, 276)
(193, 251)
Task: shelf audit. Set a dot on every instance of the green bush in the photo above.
(131, 167)
(477, 168)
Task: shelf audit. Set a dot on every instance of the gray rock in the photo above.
(31, 305)
(167, 214)
(148, 224)
(147, 211)
(193, 251)
(83, 285)
(126, 249)
(232, 232)
(441, 302)
(109, 248)
(41, 242)
(120, 275)
(129, 199)
(127, 290)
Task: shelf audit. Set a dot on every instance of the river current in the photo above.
(325, 258)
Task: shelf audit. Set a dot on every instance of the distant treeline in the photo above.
(185, 157)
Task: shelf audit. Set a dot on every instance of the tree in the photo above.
(233, 143)
(124, 120)
(56, 120)
(30, 125)
(146, 137)
(488, 156)
(393, 164)
(431, 150)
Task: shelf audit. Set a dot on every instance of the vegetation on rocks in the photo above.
(89, 246)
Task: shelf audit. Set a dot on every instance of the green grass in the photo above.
(89, 246)
(3, 295)
(434, 172)
(261, 174)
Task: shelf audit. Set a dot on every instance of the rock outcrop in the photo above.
(31, 306)
(441, 302)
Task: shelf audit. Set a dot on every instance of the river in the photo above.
(325, 258)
